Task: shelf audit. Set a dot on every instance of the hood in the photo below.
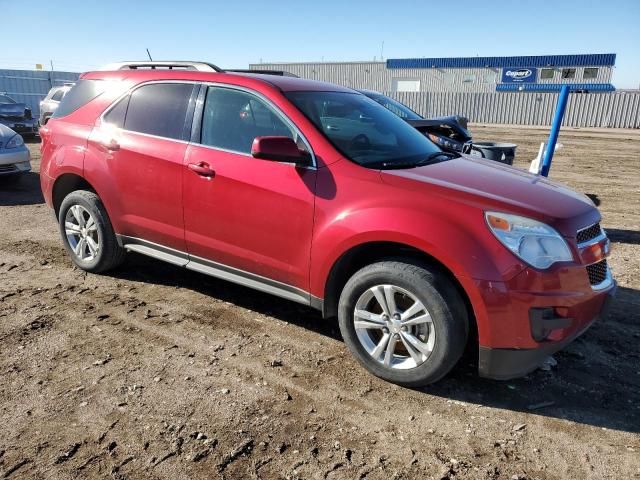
(5, 134)
(493, 186)
(12, 109)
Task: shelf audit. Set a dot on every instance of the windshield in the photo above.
(5, 99)
(396, 107)
(362, 130)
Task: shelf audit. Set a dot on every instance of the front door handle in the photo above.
(202, 169)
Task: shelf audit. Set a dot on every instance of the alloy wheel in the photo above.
(82, 233)
(394, 327)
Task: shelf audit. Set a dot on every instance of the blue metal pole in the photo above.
(555, 130)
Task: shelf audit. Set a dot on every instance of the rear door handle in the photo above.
(202, 169)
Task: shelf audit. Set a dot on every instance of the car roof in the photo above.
(370, 92)
(283, 83)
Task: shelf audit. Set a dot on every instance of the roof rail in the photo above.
(281, 73)
(162, 65)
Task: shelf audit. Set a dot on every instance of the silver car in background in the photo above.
(50, 103)
(14, 154)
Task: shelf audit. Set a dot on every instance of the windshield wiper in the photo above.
(432, 157)
(390, 165)
(394, 165)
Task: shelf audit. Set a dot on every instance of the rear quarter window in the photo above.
(80, 94)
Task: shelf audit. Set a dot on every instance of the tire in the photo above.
(100, 234)
(442, 339)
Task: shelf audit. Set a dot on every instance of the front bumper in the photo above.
(26, 126)
(15, 160)
(507, 363)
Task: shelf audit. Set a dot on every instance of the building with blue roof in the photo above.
(539, 73)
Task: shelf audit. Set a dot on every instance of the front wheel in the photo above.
(404, 322)
(87, 232)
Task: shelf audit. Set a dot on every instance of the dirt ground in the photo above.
(156, 372)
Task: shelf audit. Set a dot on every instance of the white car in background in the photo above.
(50, 103)
(14, 154)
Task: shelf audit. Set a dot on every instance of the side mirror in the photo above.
(279, 149)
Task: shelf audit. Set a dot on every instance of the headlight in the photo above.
(534, 242)
(445, 142)
(15, 142)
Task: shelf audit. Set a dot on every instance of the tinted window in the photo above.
(159, 109)
(232, 119)
(568, 73)
(363, 130)
(590, 73)
(396, 107)
(116, 115)
(58, 95)
(547, 73)
(80, 94)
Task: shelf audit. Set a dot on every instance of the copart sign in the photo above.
(519, 75)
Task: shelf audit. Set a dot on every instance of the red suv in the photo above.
(316, 193)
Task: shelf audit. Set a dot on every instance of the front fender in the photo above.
(466, 248)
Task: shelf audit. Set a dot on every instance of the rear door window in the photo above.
(159, 109)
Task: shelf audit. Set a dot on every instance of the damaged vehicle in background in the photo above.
(449, 133)
(17, 116)
(14, 154)
(50, 103)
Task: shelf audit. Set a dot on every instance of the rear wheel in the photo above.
(403, 322)
(87, 232)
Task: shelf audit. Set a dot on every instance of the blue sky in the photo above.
(80, 35)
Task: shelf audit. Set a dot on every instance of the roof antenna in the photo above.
(149, 55)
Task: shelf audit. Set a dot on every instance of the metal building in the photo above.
(31, 86)
(546, 73)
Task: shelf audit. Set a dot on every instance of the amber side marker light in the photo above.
(498, 223)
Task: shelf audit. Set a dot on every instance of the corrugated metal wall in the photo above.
(31, 86)
(614, 110)
(618, 110)
(376, 76)
(478, 101)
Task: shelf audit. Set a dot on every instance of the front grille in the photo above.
(8, 168)
(588, 233)
(597, 272)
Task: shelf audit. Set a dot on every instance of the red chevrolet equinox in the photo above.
(317, 194)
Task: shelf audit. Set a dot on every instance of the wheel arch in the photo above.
(64, 185)
(364, 254)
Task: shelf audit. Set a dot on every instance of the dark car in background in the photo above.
(17, 116)
(449, 133)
